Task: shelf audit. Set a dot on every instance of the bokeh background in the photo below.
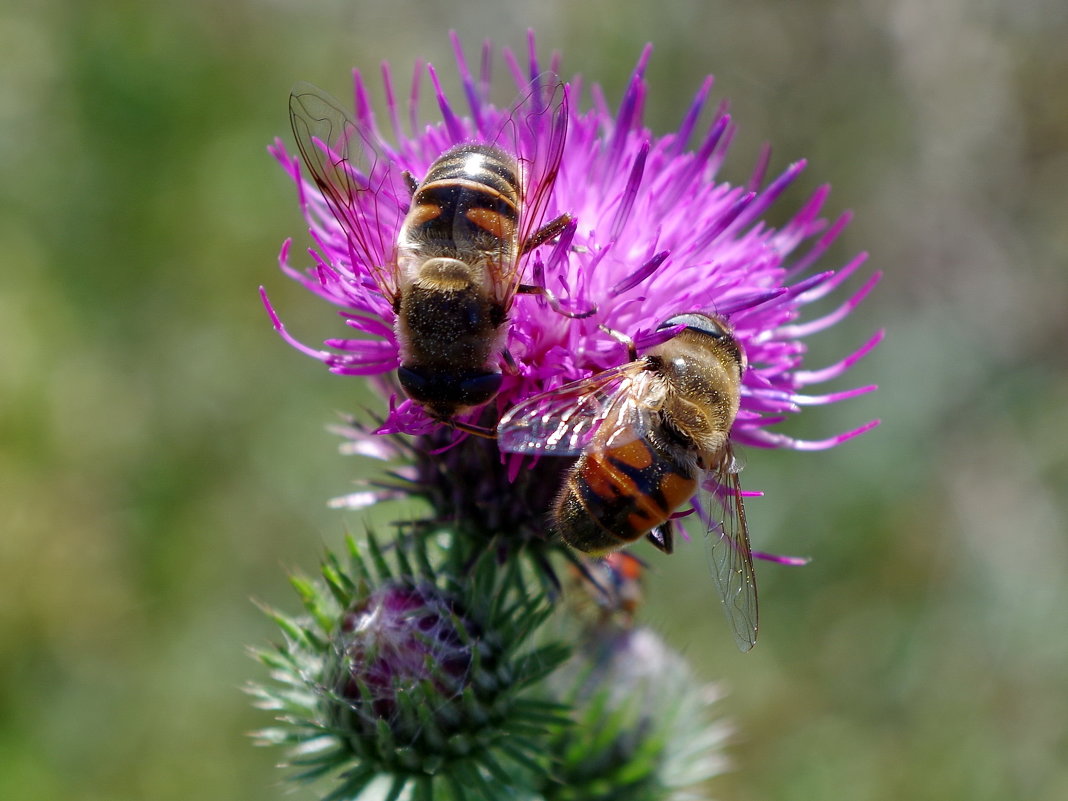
(163, 456)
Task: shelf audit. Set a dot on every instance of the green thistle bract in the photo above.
(413, 663)
(641, 732)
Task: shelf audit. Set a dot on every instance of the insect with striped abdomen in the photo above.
(447, 252)
(651, 435)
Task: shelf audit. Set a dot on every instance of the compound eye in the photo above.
(480, 389)
(446, 388)
(415, 384)
(701, 323)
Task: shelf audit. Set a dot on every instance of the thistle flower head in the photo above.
(401, 639)
(654, 737)
(415, 667)
(654, 740)
(653, 235)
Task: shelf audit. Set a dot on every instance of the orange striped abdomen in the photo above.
(614, 496)
(468, 201)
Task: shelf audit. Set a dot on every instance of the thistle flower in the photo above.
(430, 674)
(653, 235)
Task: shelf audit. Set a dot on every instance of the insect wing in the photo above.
(364, 189)
(535, 131)
(562, 421)
(542, 136)
(730, 557)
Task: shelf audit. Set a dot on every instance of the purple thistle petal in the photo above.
(560, 251)
(279, 326)
(781, 400)
(630, 111)
(682, 137)
(790, 561)
(513, 66)
(839, 278)
(391, 101)
(768, 439)
(453, 124)
(365, 114)
(629, 194)
(600, 105)
(805, 377)
(653, 338)
(555, 59)
(470, 92)
(639, 275)
(804, 224)
(833, 397)
(820, 246)
(413, 98)
(485, 74)
(719, 129)
(723, 143)
(532, 56)
(725, 220)
(771, 194)
(760, 170)
(747, 302)
(819, 324)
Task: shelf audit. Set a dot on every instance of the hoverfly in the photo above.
(613, 583)
(447, 252)
(651, 435)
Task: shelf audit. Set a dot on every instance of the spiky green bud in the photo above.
(642, 730)
(415, 671)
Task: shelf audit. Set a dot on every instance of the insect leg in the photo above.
(548, 231)
(510, 367)
(622, 339)
(663, 537)
(554, 302)
(410, 182)
(471, 428)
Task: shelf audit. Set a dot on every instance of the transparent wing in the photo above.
(534, 131)
(563, 421)
(730, 557)
(364, 190)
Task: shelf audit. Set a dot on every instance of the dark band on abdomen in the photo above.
(615, 497)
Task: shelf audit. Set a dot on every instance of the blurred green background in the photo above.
(163, 456)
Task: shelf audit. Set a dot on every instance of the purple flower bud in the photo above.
(399, 638)
(405, 658)
(413, 665)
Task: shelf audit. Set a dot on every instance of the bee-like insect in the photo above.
(651, 435)
(452, 264)
(613, 583)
